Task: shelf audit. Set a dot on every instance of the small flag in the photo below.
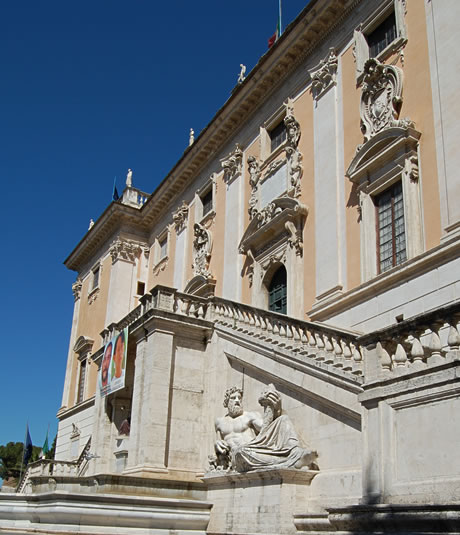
(27, 446)
(115, 195)
(278, 31)
(45, 448)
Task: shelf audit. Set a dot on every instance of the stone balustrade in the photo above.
(418, 343)
(336, 347)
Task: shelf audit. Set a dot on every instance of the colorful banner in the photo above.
(113, 367)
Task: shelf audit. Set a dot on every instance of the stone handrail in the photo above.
(329, 345)
(421, 342)
(53, 467)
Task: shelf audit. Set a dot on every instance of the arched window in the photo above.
(277, 291)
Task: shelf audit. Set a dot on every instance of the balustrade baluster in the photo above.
(417, 354)
(400, 358)
(347, 355)
(435, 346)
(321, 354)
(453, 339)
(385, 359)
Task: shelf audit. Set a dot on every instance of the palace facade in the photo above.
(307, 239)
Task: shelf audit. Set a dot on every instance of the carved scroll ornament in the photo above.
(232, 164)
(324, 75)
(381, 98)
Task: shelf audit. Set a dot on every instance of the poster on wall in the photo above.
(113, 367)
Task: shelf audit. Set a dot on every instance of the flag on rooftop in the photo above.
(115, 195)
(278, 31)
(45, 448)
(27, 446)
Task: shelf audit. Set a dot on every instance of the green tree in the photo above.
(11, 457)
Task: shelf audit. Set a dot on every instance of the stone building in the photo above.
(307, 239)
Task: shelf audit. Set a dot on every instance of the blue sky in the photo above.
(88, 90)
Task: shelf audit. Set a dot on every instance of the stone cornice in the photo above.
(115, 217)
(311, 27)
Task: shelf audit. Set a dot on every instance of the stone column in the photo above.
(149, 439)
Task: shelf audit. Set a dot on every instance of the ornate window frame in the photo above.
(266, 154)
(361, 47)
(160, 260)
(390, 156)
(83, 347)
(211, 185)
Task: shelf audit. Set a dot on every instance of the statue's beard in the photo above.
(235, 410)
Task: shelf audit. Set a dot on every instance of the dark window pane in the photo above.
(277, 292)
(81, 381)
(382, 36)
(207, 202)
(277, 135)
(391, 232)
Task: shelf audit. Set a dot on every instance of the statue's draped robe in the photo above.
(276, 446)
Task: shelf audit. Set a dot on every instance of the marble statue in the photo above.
(249, 441)
(242, 76)
(129, 178)
(202, 245)
(191, 138)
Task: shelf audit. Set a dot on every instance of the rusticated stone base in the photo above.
(382, 518)
(261, 501)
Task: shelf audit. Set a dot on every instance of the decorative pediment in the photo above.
(201, 286)
(282, 219)
(381, 98)
(386, 148)
(83, 345)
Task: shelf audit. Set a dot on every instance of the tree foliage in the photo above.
(11, 457)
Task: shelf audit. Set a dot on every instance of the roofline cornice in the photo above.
(317, 20)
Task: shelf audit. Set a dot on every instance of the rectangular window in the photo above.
(382, 36)
(277, 135)
(140, 288)
(81, 381)
(96, 273)
(206, 201)
(391, 235)
(163, 247)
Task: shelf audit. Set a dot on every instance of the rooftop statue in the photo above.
(242, 76)
(249, 441)
(129, 178)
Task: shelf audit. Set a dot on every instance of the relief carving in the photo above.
(124, 250)
(381, 98)
(254, 177)
(76, 289)
(248, 441)
(324, 75)
(202, 245)
(232, 164)
(293, 155)
(180, 217)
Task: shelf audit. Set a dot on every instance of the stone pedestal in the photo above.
(263, 501)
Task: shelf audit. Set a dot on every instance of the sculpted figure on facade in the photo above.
(249, 441)
(202, 245)
(254, 177)
(294, 157)
(324, 75)
(180, 217)
(232, 164)
(381, 98)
